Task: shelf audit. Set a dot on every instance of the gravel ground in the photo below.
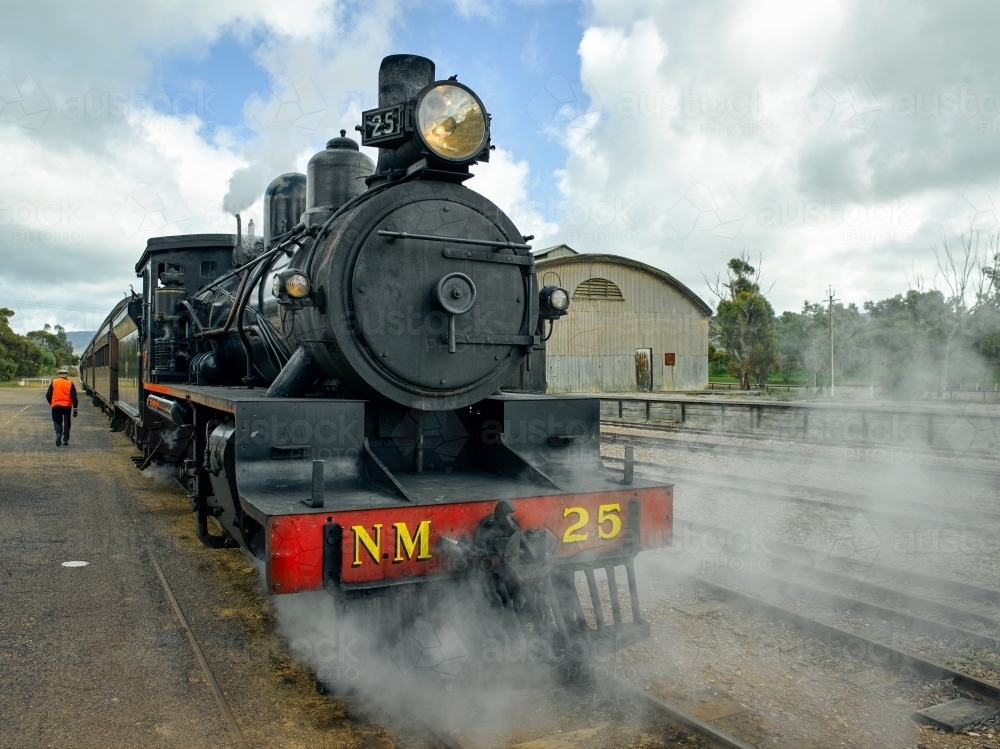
(94, 656)
(797, 690)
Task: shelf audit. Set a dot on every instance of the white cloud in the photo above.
(505, 181)
(82, 189)
(720, 103)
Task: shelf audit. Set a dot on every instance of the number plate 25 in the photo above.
(382, 124)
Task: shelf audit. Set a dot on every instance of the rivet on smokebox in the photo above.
(274, 524)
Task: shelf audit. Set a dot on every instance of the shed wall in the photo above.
(592, 349)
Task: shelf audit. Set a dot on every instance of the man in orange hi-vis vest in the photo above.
(62, 397)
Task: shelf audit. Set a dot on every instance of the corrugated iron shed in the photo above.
(631, 327)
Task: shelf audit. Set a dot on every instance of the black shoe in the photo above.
(58, 441)
(66, 442)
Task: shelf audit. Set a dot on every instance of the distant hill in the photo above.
(79, 339)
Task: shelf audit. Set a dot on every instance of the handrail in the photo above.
(392, 235)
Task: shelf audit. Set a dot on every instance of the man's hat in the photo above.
(63, 371)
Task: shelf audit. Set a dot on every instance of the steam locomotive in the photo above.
(351, 401)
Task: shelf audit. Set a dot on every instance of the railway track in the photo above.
(706, 735)
(901, 617)
(891, 625)
(669, 443)
(866, 502)
(655, 709)
(782, 596)
(879, 650)
(961, 601)
(926, 451)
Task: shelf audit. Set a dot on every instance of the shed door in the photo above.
(644, 369)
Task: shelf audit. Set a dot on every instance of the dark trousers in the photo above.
(62, 418)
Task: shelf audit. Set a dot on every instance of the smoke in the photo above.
(277, 151)
(436, 671)
(315, 90)
(159, 474)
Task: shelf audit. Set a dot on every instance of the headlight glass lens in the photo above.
(452, 122)
(297, 285)
(559, 299)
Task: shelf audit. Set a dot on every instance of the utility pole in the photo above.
(831, 299)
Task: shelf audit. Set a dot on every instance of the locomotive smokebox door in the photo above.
(416, 300)
(438, 296)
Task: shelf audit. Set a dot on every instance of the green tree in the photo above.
(56, 344)
(19, 355)
(718, 361)
(8, 367)
(792, 331)
(915, 344)
(744, 323)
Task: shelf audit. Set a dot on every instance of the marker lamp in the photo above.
(553, 301)
(297, 285)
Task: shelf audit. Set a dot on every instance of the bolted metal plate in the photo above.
(956, 715)
(398, 312)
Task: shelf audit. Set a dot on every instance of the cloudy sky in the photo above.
(840, 141)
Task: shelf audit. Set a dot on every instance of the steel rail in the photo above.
(925, 666)
(869, 511)
(833, 599)
(713, 736)
(968, 513)
(884, 592)
(803, 440)
(879, 592)
(220, 698)
(973, 592)
(792, 553)
(666, 443)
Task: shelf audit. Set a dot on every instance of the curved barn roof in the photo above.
(635, 265)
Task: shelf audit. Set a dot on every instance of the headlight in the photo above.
(451, 121)
(297, 285)
(559, 299)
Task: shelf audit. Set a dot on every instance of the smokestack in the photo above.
(400, 78)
